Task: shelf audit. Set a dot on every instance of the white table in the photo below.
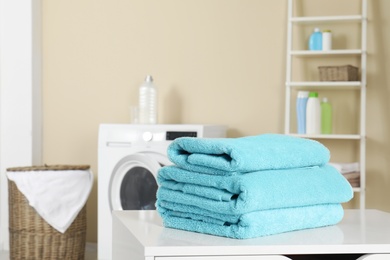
(140, 235)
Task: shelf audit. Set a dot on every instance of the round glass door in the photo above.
(138, 189)
(133, 183)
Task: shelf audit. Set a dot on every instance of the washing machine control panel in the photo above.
(169, 136)
(172, 135)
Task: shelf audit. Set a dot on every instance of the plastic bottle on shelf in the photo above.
(148, 102)
(313, 114)
(301, 111)
(326, 117)
(315, 40)
(326, 40)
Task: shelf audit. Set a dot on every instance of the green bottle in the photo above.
(326, 117)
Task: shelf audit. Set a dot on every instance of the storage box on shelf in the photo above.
(330, 77)
(338, 73)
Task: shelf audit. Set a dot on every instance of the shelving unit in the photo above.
(332, 52)
(334, 86)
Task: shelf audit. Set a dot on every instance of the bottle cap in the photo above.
(316, 29)
(325, 100)
(313, 94)
(328, 31)
(303, 94)
(149, 78)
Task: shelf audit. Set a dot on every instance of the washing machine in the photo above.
(129, 156)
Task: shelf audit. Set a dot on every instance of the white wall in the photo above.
(20, 80)
(213, 61)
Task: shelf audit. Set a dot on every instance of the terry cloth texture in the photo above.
(257, 223)
(246, 154)
(250, 187)
(237, 194)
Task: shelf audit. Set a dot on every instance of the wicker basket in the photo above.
(31, 237)
(338, 73)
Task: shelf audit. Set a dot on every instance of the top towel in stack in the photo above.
(251, 186)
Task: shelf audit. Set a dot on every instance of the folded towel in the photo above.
(257, 223)
(330, 233)
(57, 196)
(261, 190)
(346, 167)
(245, 154)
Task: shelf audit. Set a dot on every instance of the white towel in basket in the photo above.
(57, 196)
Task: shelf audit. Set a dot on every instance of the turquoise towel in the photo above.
(257, 223)
(243, 193)
(246, 154)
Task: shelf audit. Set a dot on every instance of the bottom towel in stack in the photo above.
(254, 224)
(251, 204)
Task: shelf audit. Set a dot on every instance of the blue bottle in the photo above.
(315, 40)
(301, 111)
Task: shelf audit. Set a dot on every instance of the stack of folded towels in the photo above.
(250, 186)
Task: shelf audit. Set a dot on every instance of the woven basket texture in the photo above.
(58, 167)
(338, 73)
(31, 237)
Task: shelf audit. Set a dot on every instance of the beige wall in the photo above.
(214, 61)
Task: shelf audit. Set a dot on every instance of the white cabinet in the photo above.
(140, 235)
(269, 257)
(356, 139)
(265, 257)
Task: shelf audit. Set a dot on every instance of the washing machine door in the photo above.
(133, 183)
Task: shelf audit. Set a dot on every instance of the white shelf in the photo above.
(324, 85)
(342, 18)
(331, 52)
(291, 87)
(329, 136)
(141, 235)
